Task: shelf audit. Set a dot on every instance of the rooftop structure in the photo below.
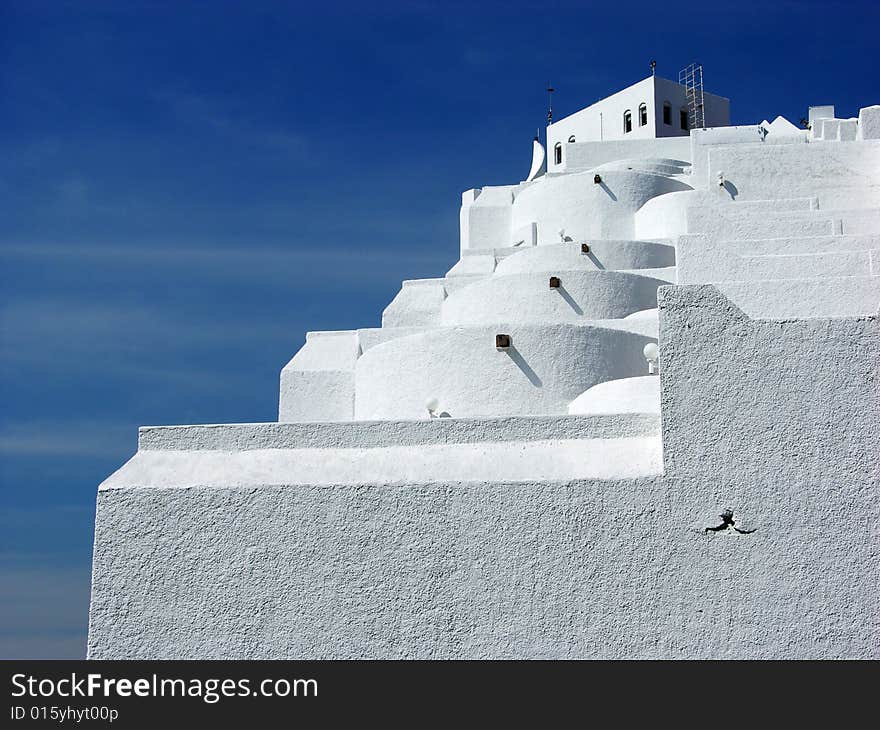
(637, 418)
(650, 109)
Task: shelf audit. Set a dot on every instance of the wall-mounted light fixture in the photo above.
(652, 355)
(585, 248)
(555, 283)
(597, 178)
(502, 342)
(432, 405)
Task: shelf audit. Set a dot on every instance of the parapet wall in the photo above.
(543, 370)
(587, 155)
(553, 207)
(841, 175)
(764, 397)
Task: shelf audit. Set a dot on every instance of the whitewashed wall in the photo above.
(545, 369)
(528, 297)
(583, 209)
(603, 120)
(498, 533)
(575, 568)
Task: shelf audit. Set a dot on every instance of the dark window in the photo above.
(643, 115)
(667, 113)
(627, 122)
(684, 118)
(557, 153)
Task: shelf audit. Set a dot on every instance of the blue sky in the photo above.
(187, 187)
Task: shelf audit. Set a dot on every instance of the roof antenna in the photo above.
(653, 68)
(550, 91)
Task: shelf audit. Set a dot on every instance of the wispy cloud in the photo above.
(43, 610)
(135, 344)
(97, 328)
(236, 260)
(69, 437)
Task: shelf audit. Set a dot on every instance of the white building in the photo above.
(637, 418)
(652, 108)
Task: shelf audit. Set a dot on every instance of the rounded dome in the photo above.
(628, 395)
(609, 254)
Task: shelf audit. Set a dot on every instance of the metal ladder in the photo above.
(691, 77)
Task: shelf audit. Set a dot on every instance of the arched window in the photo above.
(667, 113)
(627, 121)
(643, 114)
(571, 139)
(557, 153)
(683, 118)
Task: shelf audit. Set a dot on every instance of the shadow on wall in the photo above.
(524, 366)
(732, 190)
(595, 260)
(570, 299)
(607, 190)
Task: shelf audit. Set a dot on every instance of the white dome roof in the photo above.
(627, 395)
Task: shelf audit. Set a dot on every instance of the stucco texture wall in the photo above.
(776, 421)
(587, 155)
(603, 254)
(842, 176)
(580, 569)
(581, 295)
(584, 209)
(546, 367)
(766, 396)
